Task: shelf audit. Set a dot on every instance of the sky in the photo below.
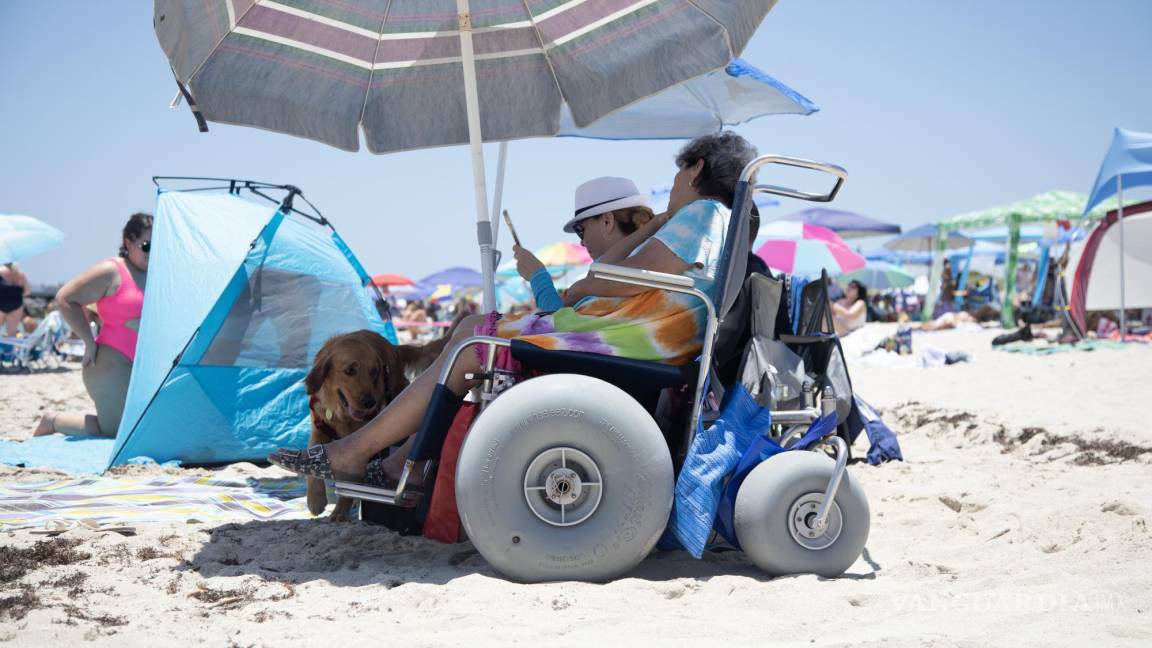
(934, 108)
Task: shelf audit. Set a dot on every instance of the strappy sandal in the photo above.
(311, 461)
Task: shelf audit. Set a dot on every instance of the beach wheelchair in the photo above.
(567, 475)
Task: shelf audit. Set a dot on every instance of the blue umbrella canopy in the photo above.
(25, 236)
(1129, 157)
(738, 93)
(845, 223)
(448, 281)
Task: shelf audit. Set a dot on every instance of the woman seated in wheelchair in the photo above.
(597, 316)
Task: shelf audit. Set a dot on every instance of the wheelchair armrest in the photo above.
(639, 277)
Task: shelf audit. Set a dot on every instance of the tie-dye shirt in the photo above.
(654, 325)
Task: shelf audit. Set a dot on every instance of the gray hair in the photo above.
(725, 155)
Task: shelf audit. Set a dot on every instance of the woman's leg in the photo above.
(401, 418)
(12, 322)
(106, 380)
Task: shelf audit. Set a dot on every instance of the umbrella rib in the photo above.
(233, 22)
(372, 73)
(547, 58)
(731, 54)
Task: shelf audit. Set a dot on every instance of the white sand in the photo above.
(976, 539)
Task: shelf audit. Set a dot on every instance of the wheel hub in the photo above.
(802, 522)
(563, 486)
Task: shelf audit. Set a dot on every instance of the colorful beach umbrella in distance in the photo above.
(880, 276)
(802, 249)
(24, 236)
(564, 253)
(923, 239)
(388, 280)
(846, 224)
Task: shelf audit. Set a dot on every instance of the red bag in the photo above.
(442, 523)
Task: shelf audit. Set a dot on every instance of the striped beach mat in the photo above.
(121, 501)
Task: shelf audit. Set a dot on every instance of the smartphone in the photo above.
(511, 229)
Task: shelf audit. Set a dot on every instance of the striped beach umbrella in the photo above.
(803, 249)
(418, 74)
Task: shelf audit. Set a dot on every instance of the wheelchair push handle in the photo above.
(823, 167)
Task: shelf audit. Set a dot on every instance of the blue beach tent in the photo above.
(240, 297)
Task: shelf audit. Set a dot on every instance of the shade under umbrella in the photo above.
(881, 276)
(923, 239)
(802, 249)
(845, 223)
(25, 236)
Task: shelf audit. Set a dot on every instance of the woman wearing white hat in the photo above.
(600, 316)
(607, 211)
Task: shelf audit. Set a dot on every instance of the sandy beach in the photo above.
(1021, 516)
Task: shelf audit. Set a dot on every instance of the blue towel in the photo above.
(796, 301)
(884, 446)
(74, 454)
(711, 458)
(760, 450)
(731, 447)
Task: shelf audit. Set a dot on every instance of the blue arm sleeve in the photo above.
(544, 291)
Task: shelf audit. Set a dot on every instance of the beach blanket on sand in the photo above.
(124, 500)
(1048, 349)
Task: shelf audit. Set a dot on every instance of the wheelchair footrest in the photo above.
(356, 490)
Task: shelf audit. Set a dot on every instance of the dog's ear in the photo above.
(394, 359)
(321, 365)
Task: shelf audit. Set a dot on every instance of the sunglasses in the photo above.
(579, 229)
(145, 247)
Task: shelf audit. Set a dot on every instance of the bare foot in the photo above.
(46, 426)
(394, 466)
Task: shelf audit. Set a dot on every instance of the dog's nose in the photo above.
(367, 402)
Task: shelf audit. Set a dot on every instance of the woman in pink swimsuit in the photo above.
(116, 287)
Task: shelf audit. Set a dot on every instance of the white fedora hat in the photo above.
(602, 195)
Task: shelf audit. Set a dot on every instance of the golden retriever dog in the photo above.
(352, 378)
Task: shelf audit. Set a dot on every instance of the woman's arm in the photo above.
(655, 256)
(544, 292)
(622, 248)
(86, 288)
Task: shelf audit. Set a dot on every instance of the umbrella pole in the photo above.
(1120, 216)
(475, 144)
(498, 195)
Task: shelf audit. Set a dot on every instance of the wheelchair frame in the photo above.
(791, 423)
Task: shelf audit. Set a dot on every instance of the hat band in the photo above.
(584, 209)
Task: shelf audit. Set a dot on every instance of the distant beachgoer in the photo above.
(116, 287)
(850, 312)
(948, 320)
(947, 302)
(13, 289)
